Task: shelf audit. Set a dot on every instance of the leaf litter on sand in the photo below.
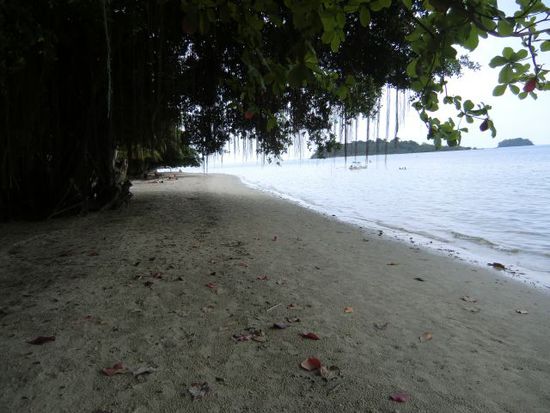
(251, 333)
(497, 266)
(143, 370)
(427, 336)
(279, 326)
(348, 310)
(41, 340)
(262, 278)
(117, 368)
(522, 311)
(400, 397)
(311, 364)
(198, 390)
(293, 306)
(292, 320)
(469, 299)
(310, 336)
(381, 326)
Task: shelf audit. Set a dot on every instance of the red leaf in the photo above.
(118, 368)
(311, 364)
(248, 115)
(400, 397)
(530, 85)
(484, 125)
(311, 336)
(212, 285)
(348, 309)
(41, 340)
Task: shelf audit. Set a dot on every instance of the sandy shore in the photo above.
(167, 282)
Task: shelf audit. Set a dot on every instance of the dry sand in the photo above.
(130, 286)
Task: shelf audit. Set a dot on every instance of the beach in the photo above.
(184, 284)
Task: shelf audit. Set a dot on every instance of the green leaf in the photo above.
(364, 16)
(469, 119)
(521, 54)
(514, 89)
(508, 52)
(468, 105)
(505, 28)
(473, 39)
(499, 90)
(378, 5)
(407, 3)
(545, 46)
(506, 74)
(497, 61)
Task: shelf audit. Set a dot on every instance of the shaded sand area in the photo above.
(169, 284)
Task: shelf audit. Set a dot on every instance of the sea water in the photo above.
(489, 205)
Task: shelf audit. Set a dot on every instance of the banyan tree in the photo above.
(90, 88)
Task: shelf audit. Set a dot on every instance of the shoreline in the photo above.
(170, 280)
(436, 246)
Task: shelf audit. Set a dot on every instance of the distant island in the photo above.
(380, 146)
(515, 142)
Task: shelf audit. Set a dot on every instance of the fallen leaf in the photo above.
(293, 307)
(469, 299)
(275, 238)
(148, 283)
(41, 340)
(212, 286)
(93, 254)
(427, 336)
(472, 309)
(292, 319)
(348, 309)
(118, 368)
(400, 397)
(242, 337)
(311, 336)
(157, 275)
(419, 279)
(279, 326)
(329, 373)
(497, 265)
(392, 263)
(522, 311)
(143, 370)
(243, 264)
(311, 364)
(199, 390)
(381, 326)
(263, 278)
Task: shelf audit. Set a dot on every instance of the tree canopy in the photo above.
(87, 84)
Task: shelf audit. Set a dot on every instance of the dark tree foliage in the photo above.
(88, 87)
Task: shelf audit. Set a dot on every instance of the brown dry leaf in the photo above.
(311, 364)
(329, 373)
(348, 309)
(392, 263)
(148, 283)
(198, 390)
(118, 368)
(212, 286)
(469, 299)
(41, 340)
(427, 336)
(522, 311)
(279, 326)
(400, 397)
(311, 336)
(157, 275)
(262, 278)
(497, 265)
(275, 238)
(293, 307)
(292, 319)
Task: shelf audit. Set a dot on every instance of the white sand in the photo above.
(211, 229)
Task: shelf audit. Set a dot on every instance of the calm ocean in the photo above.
(490, 205)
